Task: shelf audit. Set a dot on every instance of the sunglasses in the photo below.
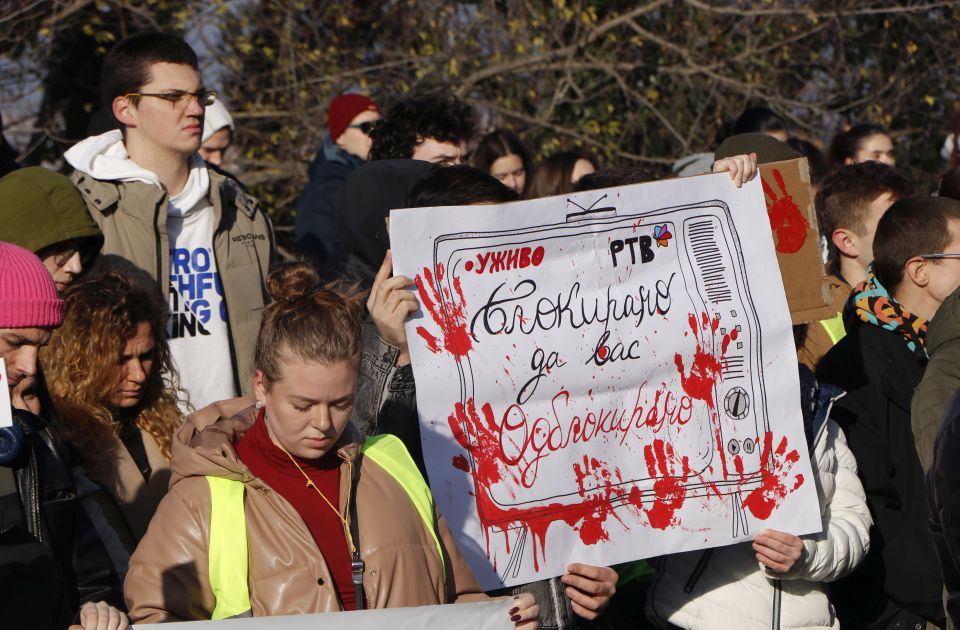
(365, 127)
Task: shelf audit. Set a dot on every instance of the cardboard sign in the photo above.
(605, 376)
(793, 221)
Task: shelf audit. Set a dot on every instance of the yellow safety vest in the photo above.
(834, 327)
(228, 571)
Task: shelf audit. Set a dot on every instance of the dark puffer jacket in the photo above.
(900, 574)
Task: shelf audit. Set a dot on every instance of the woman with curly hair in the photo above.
(106, 369)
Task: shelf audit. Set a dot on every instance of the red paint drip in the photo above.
(448, 312)
(775, 469)
(459, 461)
(479, 434)
(705, 371)
(788, 223)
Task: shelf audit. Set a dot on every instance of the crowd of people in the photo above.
(199, 431)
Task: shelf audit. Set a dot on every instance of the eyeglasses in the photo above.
(365, 127)
(179, 98)
(943, 255)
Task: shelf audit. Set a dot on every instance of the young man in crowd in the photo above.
(351, 119)
(43, 212)
(879, 364)
(849, 205)
(217, 133)
(433, 128)
(52, 562)
(205, 243)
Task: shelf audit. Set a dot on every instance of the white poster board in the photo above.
(605, 376)
(490, 615)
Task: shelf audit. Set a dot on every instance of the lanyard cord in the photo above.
(357, 564)
(311, 484)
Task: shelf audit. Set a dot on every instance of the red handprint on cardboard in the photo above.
(787, 221)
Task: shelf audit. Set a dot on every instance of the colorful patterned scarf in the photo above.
(870, 302)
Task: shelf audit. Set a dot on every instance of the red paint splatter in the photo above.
(669, 488)
(468, 266)
(448, 312)
(788, 223)
(705, 371)
(602, 352)
(459, 461)
(479, 434)
(775, 470)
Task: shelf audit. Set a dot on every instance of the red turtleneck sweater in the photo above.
(273, 467)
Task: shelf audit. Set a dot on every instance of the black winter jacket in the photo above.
(943, 490)
(879, 373)
(51, 559)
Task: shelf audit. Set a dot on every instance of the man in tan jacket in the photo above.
(194, 232)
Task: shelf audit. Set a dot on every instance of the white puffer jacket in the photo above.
(726, 587)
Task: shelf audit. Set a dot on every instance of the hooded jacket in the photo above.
(168, 575)
(42, 208)
(728, 588)
(941, 379)
(879, 364)
(131, 209)
(316, 217)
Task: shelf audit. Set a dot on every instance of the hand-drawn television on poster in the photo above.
(606, 378)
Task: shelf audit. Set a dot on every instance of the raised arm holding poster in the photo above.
(605, 376)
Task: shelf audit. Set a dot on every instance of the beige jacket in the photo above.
(133, 218)
(136, 497)
(167, 579)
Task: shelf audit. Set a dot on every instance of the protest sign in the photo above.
(490, 615)
(605, 376)
(793, 220)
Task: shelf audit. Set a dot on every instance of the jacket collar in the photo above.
(104, 195)
(208, 450)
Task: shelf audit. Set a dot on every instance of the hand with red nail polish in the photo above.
(525, 612)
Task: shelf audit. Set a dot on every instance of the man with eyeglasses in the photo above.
(350, 119)
(43, 212)
(193, 230)
(879, 363)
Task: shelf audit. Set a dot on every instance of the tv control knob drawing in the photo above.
(737, 403)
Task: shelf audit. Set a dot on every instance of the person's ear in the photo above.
(846, 242)
(916, 270)
(124, 111)
(259, 386)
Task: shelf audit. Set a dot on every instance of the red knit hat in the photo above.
(345, 108)
(28, 295)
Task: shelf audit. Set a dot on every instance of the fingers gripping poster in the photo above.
(605, 376)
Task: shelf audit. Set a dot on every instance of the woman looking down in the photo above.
(329, 521)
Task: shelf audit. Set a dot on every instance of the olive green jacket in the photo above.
(133, 218)
(941, 379)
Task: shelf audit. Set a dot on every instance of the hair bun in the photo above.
(292, 281)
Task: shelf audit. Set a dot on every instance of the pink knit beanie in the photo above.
(28, 295)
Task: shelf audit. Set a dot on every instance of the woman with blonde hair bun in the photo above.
(113, 385)
(279, 506)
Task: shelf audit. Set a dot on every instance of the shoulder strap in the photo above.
(228, 548)
(391, 455)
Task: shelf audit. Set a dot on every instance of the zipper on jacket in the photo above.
(777, 594)
(697, 571)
